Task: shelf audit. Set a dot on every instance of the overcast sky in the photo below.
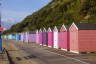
(14, 11)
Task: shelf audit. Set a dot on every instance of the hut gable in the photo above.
(55, 29)
(63, 28)
(49, 29)
(44, 30)
(40, 30)
(73, 27)
(83, 26)
(36, 31)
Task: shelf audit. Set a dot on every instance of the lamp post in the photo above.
(0, 30)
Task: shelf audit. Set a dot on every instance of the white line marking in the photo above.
(69, 57)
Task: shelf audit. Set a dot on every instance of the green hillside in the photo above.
(56, 13)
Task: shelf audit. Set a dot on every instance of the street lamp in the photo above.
(0, 30)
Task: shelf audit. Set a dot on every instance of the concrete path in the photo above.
(36, 54)
(4, 58)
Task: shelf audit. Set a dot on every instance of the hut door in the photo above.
(55, 39)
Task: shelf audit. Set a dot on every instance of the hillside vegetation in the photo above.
(56, 13)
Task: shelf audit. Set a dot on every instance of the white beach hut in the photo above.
(55, 38)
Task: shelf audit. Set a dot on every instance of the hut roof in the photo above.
(32, 32)
(49, 29)
(37, 31)
(44, 30)
(63, 27)
(40, 30)
(86, 26)
(55, 29)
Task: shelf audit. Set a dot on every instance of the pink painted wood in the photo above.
(87, 40)
(50, 38)
(63, 38)
(32, 37)
(73, 38)
(82, 40)
(40, 36)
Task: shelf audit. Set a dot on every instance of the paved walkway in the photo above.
(19, 56)
(35, 54)
(32, 54)
(3, 58)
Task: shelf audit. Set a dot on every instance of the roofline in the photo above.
(40, 30)
(74, 25)
(49, 29)
(55, 28)
(37, 31)
(44, 30)
(64, 27)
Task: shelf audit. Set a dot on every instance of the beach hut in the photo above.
(10, 36)
(32, 36)
(17, 36)
(14, 37)
(64, 38)
(44, 37)
(55, 37)
(37, 36)
(22, 37)
(82, 37)
(26, 36)
(40, 37)
(50, 37)
(5, 37)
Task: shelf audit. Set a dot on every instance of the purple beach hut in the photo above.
(44, 37)
(32, 36)
(26, 37)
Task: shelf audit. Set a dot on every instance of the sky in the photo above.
(14, 11)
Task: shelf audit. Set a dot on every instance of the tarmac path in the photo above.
(42, 56)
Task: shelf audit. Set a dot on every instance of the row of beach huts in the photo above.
(78, 37)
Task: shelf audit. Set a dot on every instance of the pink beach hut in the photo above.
(44, 37)
(40, 37)
(55, 38)
(50, 37)
(82, 37)
(63, 38)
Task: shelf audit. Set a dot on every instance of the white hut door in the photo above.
(55, 39)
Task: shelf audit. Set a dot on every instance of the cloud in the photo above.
(7, 19)
(10, 17)
(7, 23)
(14, 14)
